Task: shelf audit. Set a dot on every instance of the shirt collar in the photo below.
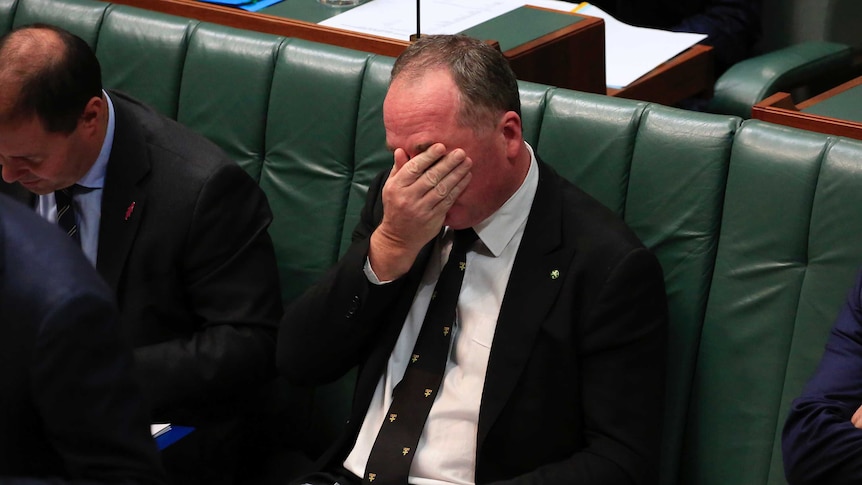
(95, 177)
(500, 227)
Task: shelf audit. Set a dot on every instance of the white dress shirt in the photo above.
(446, 453)
(87, 201)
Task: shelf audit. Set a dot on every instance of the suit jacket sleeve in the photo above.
(86, 395)
(230, 282)
(327, 331)
(819, 442)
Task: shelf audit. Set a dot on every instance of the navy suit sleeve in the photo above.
(732, 27)
(84, 390)
(819, 442)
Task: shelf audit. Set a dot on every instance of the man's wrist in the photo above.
(389, 260)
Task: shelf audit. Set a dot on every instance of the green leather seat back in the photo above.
(308, 174)
(7, 14)
(308, 164)
(534, 99)
(640, 160)
(787, 254)
(80, 17)
(674, 203)
(590, 141)
(371, 155)
(224, 93)
(142, 54)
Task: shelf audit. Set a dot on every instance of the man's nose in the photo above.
(11, 173)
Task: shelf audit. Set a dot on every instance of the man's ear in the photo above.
(92, 114)
(512, 133)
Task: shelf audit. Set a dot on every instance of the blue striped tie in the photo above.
(66, 212)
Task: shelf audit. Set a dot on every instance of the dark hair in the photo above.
(482, 74)
(55, 86)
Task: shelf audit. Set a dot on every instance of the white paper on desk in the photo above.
(159, 429)
(396, 19)
(630, 52)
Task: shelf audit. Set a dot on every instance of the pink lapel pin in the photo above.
(129, 210)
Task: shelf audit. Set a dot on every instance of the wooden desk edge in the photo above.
(586, 23)
(270, 24)
(774, 109)
(691, 72)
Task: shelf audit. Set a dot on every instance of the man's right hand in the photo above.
(416, 198)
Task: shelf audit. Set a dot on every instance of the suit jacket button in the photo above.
(354, 305)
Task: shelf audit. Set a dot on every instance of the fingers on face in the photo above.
(450, 186)
(458, 180)
(419, 164)
(401, 158)
(433, 176)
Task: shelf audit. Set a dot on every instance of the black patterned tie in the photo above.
(66, 217)
(393, 451)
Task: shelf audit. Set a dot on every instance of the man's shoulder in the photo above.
(177, 155)
(582, 214)
(167, 139)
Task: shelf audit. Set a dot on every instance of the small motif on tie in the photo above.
(434, 294)
(129, 210)
(462, 265)
(555, 274)
(414, 358)
(428, 392)
(405, 451)
(445, 331)
(392, 417)
(371, 477)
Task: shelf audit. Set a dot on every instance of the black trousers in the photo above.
(337, 477)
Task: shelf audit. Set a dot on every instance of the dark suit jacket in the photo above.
(183, 243)
(70, 408)
(575, 379)
(820, 443)
(733, 27)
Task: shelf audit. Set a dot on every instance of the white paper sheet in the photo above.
(159, 429)
(396, 19)
(630, 52)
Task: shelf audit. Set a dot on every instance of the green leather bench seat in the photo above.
(757, 226)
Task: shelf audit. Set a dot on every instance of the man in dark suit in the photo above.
(70, 409)
(732, 27)
(554, 371)
(823, 434)
(176, 228)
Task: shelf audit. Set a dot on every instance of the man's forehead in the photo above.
(22, 132)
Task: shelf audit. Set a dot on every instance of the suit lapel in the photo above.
(124, 197)
(532, 289)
